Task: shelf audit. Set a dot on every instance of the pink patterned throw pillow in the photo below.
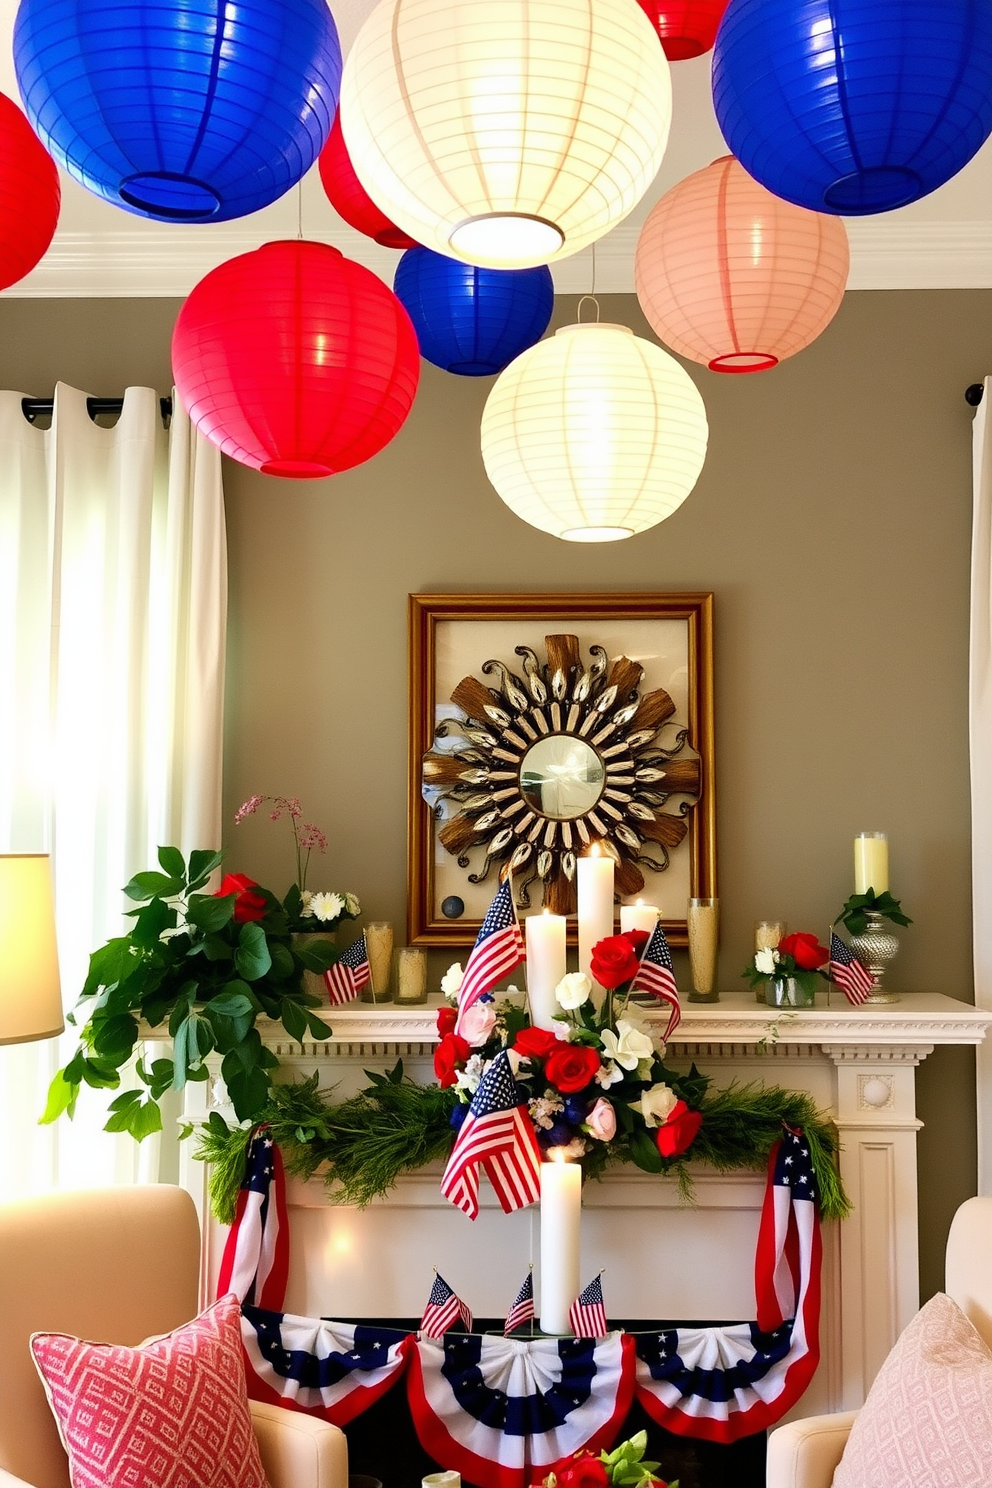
(172, 1413)
(927, 1422)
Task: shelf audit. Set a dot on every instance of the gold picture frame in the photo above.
(452, 636)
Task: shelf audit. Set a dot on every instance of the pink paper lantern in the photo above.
(295, 361)
(731, 276)
(686, 28)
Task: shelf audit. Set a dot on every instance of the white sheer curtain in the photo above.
(981, 761)
(113, 600)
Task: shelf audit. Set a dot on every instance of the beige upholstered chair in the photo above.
(805, 1454)
(116, 1265)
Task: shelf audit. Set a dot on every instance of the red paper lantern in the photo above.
(687, 28)
(295, 361)
(348, 196)
(30, 195)
(731, 276)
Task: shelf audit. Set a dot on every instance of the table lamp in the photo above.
(30, 995)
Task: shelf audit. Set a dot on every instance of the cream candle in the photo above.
(561, 1213)
(639, 916)
(595, 894)
(545, 965)
(871, 862)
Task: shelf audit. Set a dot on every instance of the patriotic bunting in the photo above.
(497, 1134)
(335, 1370)
(656, 974)
(255, 1263)
(851, 975)
(498, 949)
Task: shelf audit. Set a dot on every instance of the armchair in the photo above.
(117, 1265)
(805, 1454)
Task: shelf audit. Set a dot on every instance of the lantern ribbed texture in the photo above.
(594, 434)
(29, 195)
(348, 196)
(687, 28)
(731, 276)
(185, 110)
(506, 133)
(854, 106)
(295, 361)
(469, 320)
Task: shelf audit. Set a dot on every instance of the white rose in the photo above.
(452, 980)
(656, 1104)
(766, 960)
(468, 1079)
(352, 905)
(326, 907)
(628, 1046)
(573, 990)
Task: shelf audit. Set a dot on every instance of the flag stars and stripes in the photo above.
(498, 949)
(656, 975)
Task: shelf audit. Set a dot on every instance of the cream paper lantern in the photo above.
(594, 434)
(506, 133)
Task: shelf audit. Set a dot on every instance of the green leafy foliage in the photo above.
(191, 962)
(854, 915)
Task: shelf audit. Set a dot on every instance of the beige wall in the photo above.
(832, 523)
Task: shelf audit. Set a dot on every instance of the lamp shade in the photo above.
(686, 28)
(506, 133)
(854, 106)
(30, 995)
(348, 196)
(185, 110)
(468, 320)
(594, 434)
(29, 195)
(295, 361)
(731, 276)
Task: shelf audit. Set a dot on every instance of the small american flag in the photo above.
(444, 1307)
(523, 1308)
(255, 1263)
(851, 975)
(656, 975)
(499, 947)
(346, 978)
(587, 1317)
(498, 1134)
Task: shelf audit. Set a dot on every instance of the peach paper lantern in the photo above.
(731, 276)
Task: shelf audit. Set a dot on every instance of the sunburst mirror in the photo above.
(549, 748)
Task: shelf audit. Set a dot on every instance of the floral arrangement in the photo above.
(798, 957)
(624, 1467)
(205, 963)
(596, 1083)
(307, 912)
(855, 913)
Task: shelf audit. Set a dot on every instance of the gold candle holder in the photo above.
(703, 923)
(411, 975)
(379, 945)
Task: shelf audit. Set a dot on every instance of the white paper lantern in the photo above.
(594, 434)
(506, 133)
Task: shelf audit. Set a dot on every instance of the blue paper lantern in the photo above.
(469, 320)
(182, 110)
(854, 106)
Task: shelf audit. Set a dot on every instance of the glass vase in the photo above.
(786, 992)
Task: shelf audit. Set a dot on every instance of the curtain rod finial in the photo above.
(973, 394)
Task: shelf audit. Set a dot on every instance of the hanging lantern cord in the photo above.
(299, 212)
(593, 301)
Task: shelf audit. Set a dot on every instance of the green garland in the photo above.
(395, 1126)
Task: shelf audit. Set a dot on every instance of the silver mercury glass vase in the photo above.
(875, 947)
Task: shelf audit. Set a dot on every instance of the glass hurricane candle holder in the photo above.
(379, 945)
(767, 934)
(411, 975)
(703, 920)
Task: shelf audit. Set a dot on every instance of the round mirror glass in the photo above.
(561, 777)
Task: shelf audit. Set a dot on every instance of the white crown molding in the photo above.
(154, 261)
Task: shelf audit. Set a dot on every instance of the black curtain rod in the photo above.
(973, 394)
(33, 408)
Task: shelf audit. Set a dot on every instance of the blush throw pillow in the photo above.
(172, 1413)
(927, 1422)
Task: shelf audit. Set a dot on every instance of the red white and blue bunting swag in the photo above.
(495, 1409)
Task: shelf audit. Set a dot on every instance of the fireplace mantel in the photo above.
(858, 1063)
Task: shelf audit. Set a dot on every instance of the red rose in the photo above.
(584, 1470)
(679, 1132)
(534, 1043)
(447, 1017)
(247, 906)
(452, 1052)
(637, 938)
(804, 949)
(570, 1067)
(614, 961)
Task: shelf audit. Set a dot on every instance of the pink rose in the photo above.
(601, 1121)
(477, 1023)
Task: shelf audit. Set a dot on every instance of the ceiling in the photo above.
(942, 242)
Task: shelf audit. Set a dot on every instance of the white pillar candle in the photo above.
(545, 965)
(871, 862)
(595, 891)
(561, 1212)
(639, 916)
